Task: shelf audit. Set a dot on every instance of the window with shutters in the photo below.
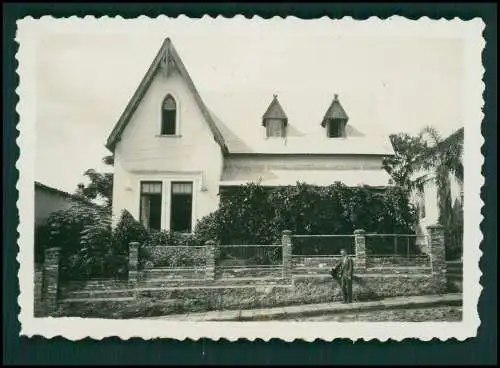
(181, 207)
(169, 116)
(150, 204)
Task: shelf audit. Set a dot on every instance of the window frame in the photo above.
(177, 132)
(282, 129)
(340, 128)
(196, 178)
(141, 182)
(170, 209)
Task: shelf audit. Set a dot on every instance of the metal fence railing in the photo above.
(398, 250)
(233, 256)
(322, 245)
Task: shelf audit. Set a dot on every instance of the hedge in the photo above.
(258, 215)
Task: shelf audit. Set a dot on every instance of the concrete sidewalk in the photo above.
(277, 313)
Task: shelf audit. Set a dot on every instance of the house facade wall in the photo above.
(430, 195)
(143, 154)
(47, 202)
(303, 162)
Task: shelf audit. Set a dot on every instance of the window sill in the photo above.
(168, 136)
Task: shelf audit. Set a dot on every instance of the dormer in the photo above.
(275, 120)
(335, 120)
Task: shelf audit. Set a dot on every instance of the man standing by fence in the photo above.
(346, 273)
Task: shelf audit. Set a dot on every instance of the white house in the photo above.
(173, 154)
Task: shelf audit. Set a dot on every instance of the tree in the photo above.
(408, 153)
(444, 158)
(100, 186)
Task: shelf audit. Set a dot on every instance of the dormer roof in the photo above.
(335, 111)
(274, 111)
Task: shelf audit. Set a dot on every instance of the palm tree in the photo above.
(444, 157)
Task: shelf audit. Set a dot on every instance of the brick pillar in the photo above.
(133, 260)
(437, 254)
(360, 248)
(210, 267)
(38, 281)
(286, 242)
(51, 279)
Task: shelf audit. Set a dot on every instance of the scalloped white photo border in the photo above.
(30, 30)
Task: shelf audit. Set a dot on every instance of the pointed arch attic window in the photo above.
(168, 116)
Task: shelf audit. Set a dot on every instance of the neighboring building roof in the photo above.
(165, 57)
(63, 193)
(373, 178)
(335, 111)
(274, 111)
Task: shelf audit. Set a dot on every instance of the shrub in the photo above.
(89, 247)
(258, 215)
(126, 231)
(167, 238)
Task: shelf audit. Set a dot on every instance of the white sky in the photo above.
(386, 84)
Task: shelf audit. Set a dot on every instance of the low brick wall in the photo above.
(379, 261)
(299, 290)
(172, 273)
(94, 285)
(173, 256)
(248, 272)
(315, 262)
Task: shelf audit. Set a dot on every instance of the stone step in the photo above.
(172, 273)
(95, 285)
(107, 294)
(95, 300)
(173, 292)
(163, 283)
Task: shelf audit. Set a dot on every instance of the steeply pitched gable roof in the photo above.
(335, 111)
(167, 52)
(274, 111)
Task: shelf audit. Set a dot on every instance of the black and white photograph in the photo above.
(308, 176)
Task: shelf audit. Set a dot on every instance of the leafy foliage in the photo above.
(443, 157)
(172, 256)
(258, 215)
(167, 238)
(100, 186)
(89, 247)
(409, 152)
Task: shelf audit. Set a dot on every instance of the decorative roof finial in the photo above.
(275, 96)
(336, 97)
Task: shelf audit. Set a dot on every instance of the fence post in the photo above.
(38, 282)
(286, 242)
(133, 260)
(437, 253)
(51, 279)
(210, 267)
(360, 248)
